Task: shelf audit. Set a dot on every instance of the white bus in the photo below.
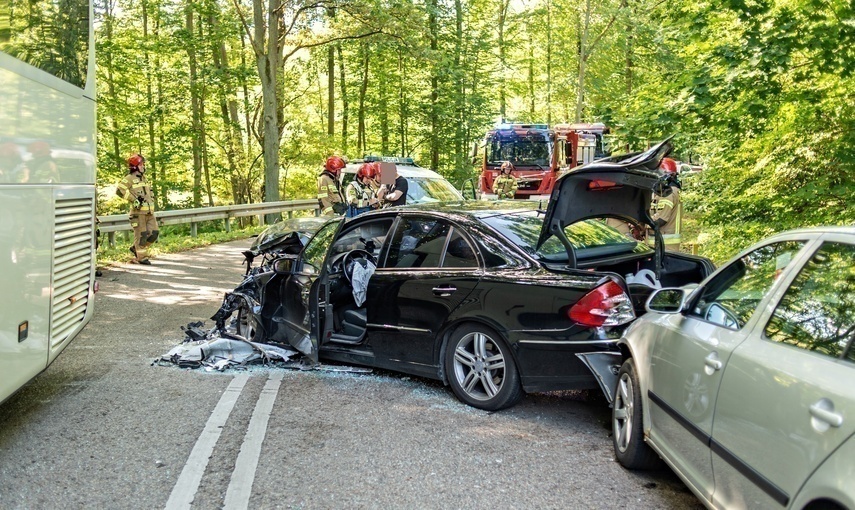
(47, 182)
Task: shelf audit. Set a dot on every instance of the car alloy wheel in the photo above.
(480, 369)
(244, 323)
(627, 429)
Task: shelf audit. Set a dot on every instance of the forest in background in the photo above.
(239, 101)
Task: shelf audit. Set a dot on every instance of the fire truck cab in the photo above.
(539, 155)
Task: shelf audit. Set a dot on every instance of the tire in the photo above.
(627, 423)
(245, 324)
(481, 371)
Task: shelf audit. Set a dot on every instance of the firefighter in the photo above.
(361, 193)
(666, 207)
(505, 185)
(329, 197)
(136, 190)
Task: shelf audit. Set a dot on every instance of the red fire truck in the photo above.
(539, 154)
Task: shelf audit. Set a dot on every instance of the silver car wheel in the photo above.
(479, 366)
(623, 412)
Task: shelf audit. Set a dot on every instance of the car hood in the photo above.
(287, 236)
(620, 186)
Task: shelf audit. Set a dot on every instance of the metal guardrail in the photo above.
(119, 222)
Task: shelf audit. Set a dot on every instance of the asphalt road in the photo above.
(103, 428)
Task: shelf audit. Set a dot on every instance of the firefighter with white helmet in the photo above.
(666, 207)
(136, 190)
(329, 196)
(505, 185)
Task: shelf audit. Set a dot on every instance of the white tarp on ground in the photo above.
(216, 352)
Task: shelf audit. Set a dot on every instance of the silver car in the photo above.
(745, 384)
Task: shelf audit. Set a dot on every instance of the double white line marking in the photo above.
(240, 486)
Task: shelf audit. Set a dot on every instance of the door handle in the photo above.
(818, 411)
(713, 362)
(444, 291)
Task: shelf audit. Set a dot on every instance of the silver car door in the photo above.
(691, 352)
(787, 400)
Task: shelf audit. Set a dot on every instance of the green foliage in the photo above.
(761, 92)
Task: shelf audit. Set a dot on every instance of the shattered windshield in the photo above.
(590, 238)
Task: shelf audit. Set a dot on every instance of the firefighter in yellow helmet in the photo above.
(505, 184)
(136, 190)
(329, 197)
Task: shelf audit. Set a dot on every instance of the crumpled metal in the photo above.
(359, 280)
(222, 352)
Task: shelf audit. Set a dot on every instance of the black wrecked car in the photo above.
(493, 298)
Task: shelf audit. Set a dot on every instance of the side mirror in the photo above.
(468, 190)
(667, 300)
(284, 265)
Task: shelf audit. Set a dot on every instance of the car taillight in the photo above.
(607, 305)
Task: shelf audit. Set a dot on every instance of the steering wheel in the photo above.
(351, 258)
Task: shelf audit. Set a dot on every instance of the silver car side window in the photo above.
(817, 313)
(731, 298)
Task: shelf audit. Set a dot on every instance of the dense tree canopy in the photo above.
(240, 100)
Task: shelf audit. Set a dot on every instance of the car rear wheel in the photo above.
(481, 371)
(627, 427)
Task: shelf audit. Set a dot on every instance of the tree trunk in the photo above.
(384, 117)
(229, 114)
(331, 91)
(266, 47)
(402, 103)
(344, 105)
(360, 134)
(502, 18)
(111, 87)
(583, 60)
(194, 104)
(434, 85)
(549, 62)
(459, 92)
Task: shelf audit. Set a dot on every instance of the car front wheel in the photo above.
(627, 428)
(481, 370)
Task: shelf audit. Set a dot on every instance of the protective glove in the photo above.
(140, 200)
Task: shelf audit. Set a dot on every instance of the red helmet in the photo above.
(334, 164)
(507, 165)
(135, 161)
(39, 148)
(366, 171)
(668, 165)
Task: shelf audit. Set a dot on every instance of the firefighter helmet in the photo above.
(334, 164)
(668, 165)
(366, 171)
(39, 148)
(507, 165)
(135, 161)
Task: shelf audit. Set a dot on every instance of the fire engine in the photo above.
(539, 154)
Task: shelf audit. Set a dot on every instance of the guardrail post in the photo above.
(260, 220)
(193, 229)
(111, 239)
(228, 224)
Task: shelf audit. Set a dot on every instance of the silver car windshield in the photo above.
(426, 189)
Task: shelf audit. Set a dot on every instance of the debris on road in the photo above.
(219, 350)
